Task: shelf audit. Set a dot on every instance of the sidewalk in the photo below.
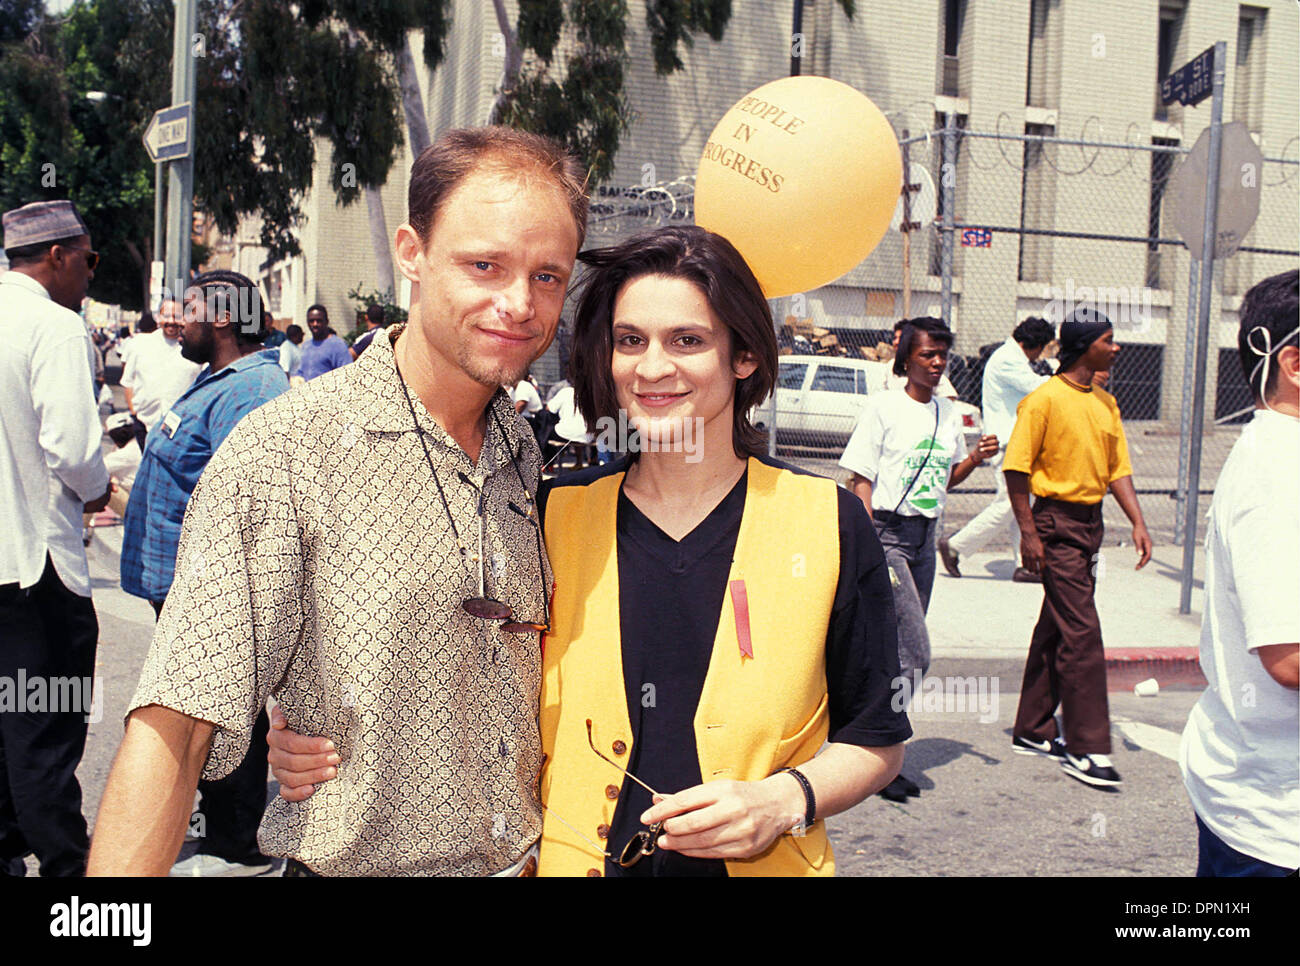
(985, 615)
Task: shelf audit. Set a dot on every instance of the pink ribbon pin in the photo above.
(740, 605)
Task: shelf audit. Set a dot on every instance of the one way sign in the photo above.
(169, 136)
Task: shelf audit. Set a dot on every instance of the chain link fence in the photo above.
(1009, 226)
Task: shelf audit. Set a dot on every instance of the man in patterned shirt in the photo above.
(432, 710)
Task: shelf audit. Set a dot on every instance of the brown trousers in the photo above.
(1066, 664)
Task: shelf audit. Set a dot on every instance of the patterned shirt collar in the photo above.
(380, 405)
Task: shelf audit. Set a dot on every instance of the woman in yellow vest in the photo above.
(716, 615)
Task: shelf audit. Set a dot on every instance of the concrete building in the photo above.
(1084, 70)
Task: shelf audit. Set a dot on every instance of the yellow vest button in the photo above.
(602, 831)
(620, 748)
(593, 873)
(611, 792)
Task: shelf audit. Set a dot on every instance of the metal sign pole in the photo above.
(1203, 328)
(907, 226)
(1185, 418)
(947, 176)
(159, 206)
(180, 174)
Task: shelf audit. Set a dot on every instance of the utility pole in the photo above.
(180, 174)
(796, 40)
(1209, 239)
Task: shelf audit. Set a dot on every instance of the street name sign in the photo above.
(1191, 83)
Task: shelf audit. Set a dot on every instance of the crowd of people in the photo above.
(637, 669)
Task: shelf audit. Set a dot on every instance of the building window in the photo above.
(1171, 28)
(275, 291)
(1037, 207)
(1042, 80)
(1162, 164)
(1249, 77)
(954, 14)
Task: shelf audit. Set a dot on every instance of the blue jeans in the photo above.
(908, 542)
(1218, 859)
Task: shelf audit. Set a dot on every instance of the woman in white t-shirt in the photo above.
(907, 450)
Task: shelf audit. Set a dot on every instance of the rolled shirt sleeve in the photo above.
(1027, 437)
(234, 614)
(862, 454)
(1121, 467)
(70, 433)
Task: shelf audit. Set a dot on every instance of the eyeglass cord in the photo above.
(429, 459)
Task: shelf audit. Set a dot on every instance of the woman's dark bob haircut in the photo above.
(934, 328)
(718, 270)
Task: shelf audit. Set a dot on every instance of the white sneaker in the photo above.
(210, 866)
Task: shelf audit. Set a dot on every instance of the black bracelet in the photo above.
(810, 814)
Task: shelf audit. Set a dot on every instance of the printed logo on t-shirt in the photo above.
(932, 480)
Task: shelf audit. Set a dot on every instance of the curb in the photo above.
(1178, 668)
(1174, 668)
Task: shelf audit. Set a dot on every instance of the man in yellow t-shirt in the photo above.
(1068, 447)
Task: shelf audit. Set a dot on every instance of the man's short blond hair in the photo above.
(443, 165)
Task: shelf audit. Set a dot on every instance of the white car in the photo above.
(818, 399)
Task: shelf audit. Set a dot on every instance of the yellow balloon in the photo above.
(802, 175)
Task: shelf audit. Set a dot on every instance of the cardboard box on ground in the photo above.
(821, 342)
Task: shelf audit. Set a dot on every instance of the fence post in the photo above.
(1203, 327)
(947, 178)
(1185, 417)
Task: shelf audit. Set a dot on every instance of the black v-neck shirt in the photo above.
(670, 599)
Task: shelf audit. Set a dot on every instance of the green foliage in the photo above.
(18, 17)
(363, 299)
(582, 106)
(672, 22)
(582, 102)
(269, 83)
(58, 143)
(539, 26)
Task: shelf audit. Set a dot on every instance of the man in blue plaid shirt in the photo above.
(223, 331)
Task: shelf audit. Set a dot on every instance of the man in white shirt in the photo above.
(1008, 378)
(156, 375)
(291, 353)
(1240, 753)
(50, 472)
(527, 400)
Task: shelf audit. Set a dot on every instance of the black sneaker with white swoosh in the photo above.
(1031, 746)
(1092, 769)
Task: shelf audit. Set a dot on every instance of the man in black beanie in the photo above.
(1068, 447)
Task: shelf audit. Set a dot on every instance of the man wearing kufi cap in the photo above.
(51, 471)
(1068, 448)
